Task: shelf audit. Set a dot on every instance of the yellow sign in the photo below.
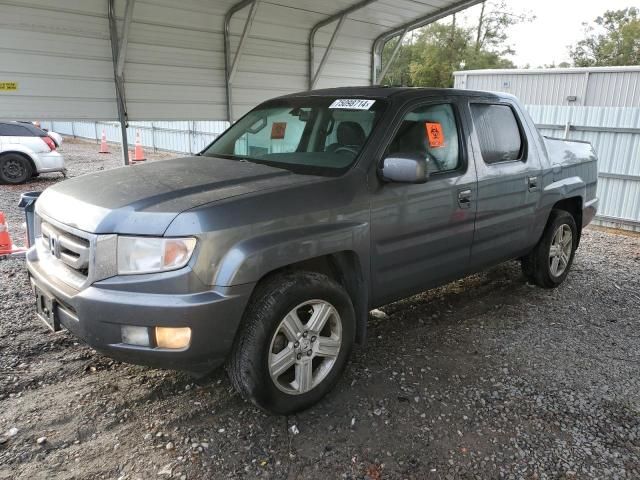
(8, 86)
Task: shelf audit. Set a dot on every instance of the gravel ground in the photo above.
(487, 377)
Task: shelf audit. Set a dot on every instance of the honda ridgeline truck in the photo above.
(267, 250)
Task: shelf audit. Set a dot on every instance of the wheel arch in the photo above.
(25, 155)
(345, 268)
(572, 205)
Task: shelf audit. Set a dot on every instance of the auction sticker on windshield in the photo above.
(352, 103)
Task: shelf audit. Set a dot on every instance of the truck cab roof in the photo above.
(393, 92)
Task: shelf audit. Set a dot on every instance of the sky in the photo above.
(558, 25)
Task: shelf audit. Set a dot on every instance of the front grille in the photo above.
(66, 253)
(75, 257)
(70, 249)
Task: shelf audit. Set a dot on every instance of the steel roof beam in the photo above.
(394, 54)
(124, 41)
(381, 40)
(314, 75)
(231, 65)
(325, 57)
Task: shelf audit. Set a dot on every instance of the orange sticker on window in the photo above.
(435, 134)
(277, 130)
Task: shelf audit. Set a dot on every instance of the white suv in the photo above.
(26, 151)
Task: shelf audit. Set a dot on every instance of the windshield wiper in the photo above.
(229, 156)
(258, 161)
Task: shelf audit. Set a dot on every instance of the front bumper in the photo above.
(95, 314)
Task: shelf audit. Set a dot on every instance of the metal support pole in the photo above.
(325, 57)
(153, 137)
(124, 41)
(119, 83)
(230, 66)
(394, 54)
(585, 90)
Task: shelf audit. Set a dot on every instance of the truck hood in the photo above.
(144, 199)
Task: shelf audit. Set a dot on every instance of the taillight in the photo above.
(50, 143)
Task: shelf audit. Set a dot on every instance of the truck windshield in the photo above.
(315, 135)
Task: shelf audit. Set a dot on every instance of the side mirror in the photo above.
(405, 168)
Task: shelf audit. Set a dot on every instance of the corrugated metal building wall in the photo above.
(599, 105)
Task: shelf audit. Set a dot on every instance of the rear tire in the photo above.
(14, 169)
(548, 264)
(296, 337)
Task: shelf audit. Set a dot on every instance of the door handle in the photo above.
(533, 184)
(464, 198)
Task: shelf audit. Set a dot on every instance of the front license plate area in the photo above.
(46, 309)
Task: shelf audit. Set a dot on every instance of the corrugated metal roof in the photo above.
(60, 53)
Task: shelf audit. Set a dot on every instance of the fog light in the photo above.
(173, 338)
(135, 335)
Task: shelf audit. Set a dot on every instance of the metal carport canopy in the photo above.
(189, 59)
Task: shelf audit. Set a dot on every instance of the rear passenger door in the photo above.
(509, 183)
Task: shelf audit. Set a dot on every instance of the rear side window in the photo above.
(14, 130)
(498, 133)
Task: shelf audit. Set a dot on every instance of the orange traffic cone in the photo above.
(6, 245)
(138, 152)
(104, 147)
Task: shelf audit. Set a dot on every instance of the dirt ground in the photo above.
(487, 377)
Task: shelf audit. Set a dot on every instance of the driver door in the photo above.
(421, 234)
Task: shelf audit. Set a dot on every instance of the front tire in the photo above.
(14, 169)
(297, 334)
(548, 264)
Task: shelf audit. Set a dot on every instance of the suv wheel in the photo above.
(549, 262)
(14, 169)
(297, 335)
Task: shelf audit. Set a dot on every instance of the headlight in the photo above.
(149, 255)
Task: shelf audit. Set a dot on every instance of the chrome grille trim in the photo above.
(72, 259)
(68, 248)
(84, 258)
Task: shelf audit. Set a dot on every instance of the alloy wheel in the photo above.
(305, 347)
(560, 251)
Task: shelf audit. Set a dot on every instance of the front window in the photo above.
(317, 135)
(430, 132)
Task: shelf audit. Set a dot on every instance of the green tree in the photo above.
(613, 40)
(491, 28)
(438, 52)
(433, 53)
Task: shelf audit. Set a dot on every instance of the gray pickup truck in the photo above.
(267, 250)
